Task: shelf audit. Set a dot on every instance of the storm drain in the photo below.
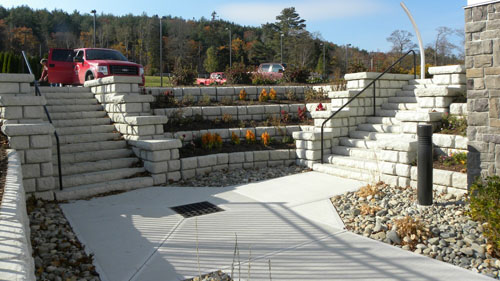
(196, 209)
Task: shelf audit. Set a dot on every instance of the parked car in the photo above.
(74, 67)
(271, 70)
(218, 78)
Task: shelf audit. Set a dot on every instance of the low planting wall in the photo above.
(220, 92)
(443, 181)
(201, 165)
(240, 112)
(273, 131)
(448, 144)
(16, 261)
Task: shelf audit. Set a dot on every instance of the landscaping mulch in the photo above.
(192, 124)
(161, 103)
(455, 168)
(4, 144)
(191, 150)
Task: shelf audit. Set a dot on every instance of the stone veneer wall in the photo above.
(482, 62)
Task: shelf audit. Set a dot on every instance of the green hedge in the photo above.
(14, 63)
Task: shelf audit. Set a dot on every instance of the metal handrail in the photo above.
(374, 96)
(37, 93)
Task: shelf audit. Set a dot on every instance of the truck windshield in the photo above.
(105, 55)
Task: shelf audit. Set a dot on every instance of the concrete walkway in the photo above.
(287, 222)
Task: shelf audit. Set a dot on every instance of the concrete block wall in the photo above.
(33, 143)
(308, 146)
(229, 92)
(201, 165)
(482, 63)
(395, 159)
(16, 261)
(130, 110)
(160, 157)
(448, 144)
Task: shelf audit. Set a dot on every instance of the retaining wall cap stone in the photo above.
(21, 100)
(113, 80)
(145, 120)
(447, 69)
(153, 145)
(373, 75)
(398, 144)
(16, 78)
(27, 129)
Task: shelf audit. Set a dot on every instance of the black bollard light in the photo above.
(424, 165)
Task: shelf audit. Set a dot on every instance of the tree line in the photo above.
(202, 44)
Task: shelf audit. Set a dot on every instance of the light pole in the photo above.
(324, 60)
(230, 55)
(93, 12)
(161, 51)
(346, 46)
(281, 44)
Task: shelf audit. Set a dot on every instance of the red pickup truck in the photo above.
(75, 66)
(217, 78)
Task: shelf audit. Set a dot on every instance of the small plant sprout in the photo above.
(243, 94)
(235, 139)
(320, 107)
(266, 139)
(263, 97)
(250, 136)
(272, 94)
(302, 113)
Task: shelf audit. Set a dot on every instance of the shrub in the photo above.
(314, 95)
(413, 228)
(187, 100)
(484, 202)
(243, 94)
(205, 100)
(235, 139)
(290, 95)
(227, 101)
(250, 136)
(261, 79)
(272, 94)
(263, 97)
(296, 74)
(184, 76)
(238, 74)
(266, 139)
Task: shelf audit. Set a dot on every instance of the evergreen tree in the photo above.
(7, 65)
(1, 61)
(211, 63)
(289, 20)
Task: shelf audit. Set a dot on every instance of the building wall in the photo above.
(482, 62)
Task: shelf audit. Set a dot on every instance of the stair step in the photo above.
(74, 108)
(400, 106)
(413, 87)
(88, 138)
(88, 167)
(420, 81)
(382, 120)
(372, 135)
(405, 93)
(53, 96)
(78, 115)
(55, 102)
(357, 143)
(81, 122)
(85, 191)
(88, 156)
(72, 90)
(379, 128)
(386, 112)
(355, 152)
(345, 172)
(99, 176)
(402, 99)
(90, 146)
(353, 162)
(76, 130)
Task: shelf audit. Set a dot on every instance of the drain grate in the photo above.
(196, 209)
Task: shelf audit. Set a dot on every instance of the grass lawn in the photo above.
(154, 81)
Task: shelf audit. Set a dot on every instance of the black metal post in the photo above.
(161, 51)
(374, 97)
(424, 164)
(94, 11)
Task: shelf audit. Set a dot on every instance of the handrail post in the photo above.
(374, 97)
(415, 66)
(321, 144)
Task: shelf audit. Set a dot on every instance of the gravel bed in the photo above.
(58, 254)
(442, 231)
(242, 176)
(213, 276)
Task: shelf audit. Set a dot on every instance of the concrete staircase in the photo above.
(356, 155)
(94, 157)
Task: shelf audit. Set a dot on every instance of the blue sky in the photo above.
(362, 23)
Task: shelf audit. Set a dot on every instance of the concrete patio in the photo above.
(289, 221)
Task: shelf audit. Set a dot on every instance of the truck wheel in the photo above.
(89, 76)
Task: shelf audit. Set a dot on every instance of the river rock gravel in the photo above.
(58, 254)
(241, 176)
(442, 231)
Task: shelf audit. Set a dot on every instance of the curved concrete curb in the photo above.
(16, 262)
